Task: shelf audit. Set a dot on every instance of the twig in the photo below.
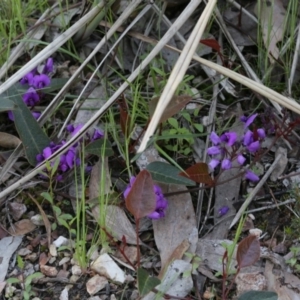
(254, 192)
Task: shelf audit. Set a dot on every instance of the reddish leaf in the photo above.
(248, 251)
(175, 105)
(141, 200)
(198, 173)
(124, 121)
(212, 43)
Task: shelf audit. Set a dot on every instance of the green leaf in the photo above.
(166, 173)
(57, 210)
(199, 127)
(47, 196)
(173, 122)
(29, 278)
(26, 295)
(6, 104)
(258, 295)
(20, 262)
(12, 280)
(97, 146)
(31, 134)
(145, 282)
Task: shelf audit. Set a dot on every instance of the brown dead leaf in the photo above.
(178, 224)
(272, 16)
(95, 180)
(281, 165)
(21, 227)
(117, 223)
(175, 105)
(8, 140)
(284, 284)
(43, 259)
(177, 254)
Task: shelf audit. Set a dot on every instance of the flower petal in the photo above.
(261, 133)
(48, 68)
(253, 147)
(214, 150)
(250, 120)
(27, 79)
(231, 138)
(248, 138)
(241, 159)
(223, 210)
(226, 164)
(251, 176)
(213, 163)
(98, 134)
(47, 152)
(41, 81)
(215, 138)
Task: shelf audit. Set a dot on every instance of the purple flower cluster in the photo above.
(35, 81)
(97, 134)
(69, 159)
(161, 201)
(66, 160)
(229, 147)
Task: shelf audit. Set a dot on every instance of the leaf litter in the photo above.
(168, 248)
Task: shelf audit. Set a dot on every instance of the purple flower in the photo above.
(31, 97)
(241, 159)
(251, 176)
(11, 115)
(248, 138)
(27, 79)
(226, 164)
(41, 81)
(215, 138)
(66, 161)
(48, 68)
(47, 152)
(261, 133)
(229, 138)
(213, 163)
(223, 211)
(248, 120)
(161, 201)
(128, 188)
(98, 134)
(74, 129)
(214, 150)
(253, 147)
(35, 114)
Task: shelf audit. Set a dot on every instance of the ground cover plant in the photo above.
(149, 150)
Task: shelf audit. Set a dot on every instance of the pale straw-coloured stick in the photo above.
(178, 72)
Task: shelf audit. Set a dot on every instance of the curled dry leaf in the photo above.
(8, 140)
(21, 227)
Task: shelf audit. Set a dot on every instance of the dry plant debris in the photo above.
(149, 150)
